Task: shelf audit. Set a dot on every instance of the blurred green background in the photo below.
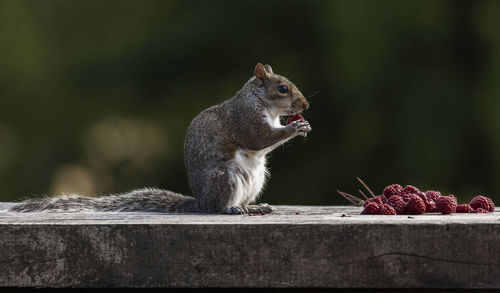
(96, 96)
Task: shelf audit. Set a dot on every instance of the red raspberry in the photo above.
(371, 209)
(482, 202)
(394, 189)
(397, 203)
(446, 204)
(385, 209)
(406, 196)
(432, 194)
(430, 205)
(464, 208)
(295, 117)
(491, 204)
(411, 189)
(415, 205)
(481, 211)
(377, 199)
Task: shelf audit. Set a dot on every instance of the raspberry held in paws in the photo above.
(295, 118)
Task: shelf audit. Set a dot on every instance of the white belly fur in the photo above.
(249, 170)
(249, 176)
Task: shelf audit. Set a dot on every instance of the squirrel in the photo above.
(224, 152)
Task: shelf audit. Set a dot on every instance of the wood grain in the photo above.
(298, 246)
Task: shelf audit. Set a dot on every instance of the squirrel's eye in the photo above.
(283, 89)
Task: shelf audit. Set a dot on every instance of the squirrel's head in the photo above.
(281, 93)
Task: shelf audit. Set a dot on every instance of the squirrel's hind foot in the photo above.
(252, 209)
(260, 208)
(235, 210)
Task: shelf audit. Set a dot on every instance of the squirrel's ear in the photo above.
(268, 69)
(260, 72)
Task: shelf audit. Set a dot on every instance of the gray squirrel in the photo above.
(224, 152)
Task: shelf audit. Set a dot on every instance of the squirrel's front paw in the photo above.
(300, 127)
(235, 210)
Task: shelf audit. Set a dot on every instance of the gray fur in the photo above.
(223, 143)
(146, 199)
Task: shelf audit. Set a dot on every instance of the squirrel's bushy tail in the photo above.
(140, 200)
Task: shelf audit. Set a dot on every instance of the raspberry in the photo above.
(371, 209)
(480, 211)
(397, 203)
(295, 117)
(377, 199)
(482, 202)
(430, 205)
(446, 204)
(491, 204)
(411, 189)
(406, 196)
(464, 208)
(385, 209)
(394, 189)
(415, 205)
(432, 194)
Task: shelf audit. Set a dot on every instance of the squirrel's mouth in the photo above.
(291, 112)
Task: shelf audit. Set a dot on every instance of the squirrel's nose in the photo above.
(306, 104)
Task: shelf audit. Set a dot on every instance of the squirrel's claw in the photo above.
(235, 210)
(260, 208)
(253, 209)
(301, 127)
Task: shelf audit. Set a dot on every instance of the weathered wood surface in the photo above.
(298, 246)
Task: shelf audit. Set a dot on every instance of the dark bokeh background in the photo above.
(95, 96)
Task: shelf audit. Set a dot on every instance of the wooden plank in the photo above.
(298, 246)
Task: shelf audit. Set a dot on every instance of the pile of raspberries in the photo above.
(396, 200)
